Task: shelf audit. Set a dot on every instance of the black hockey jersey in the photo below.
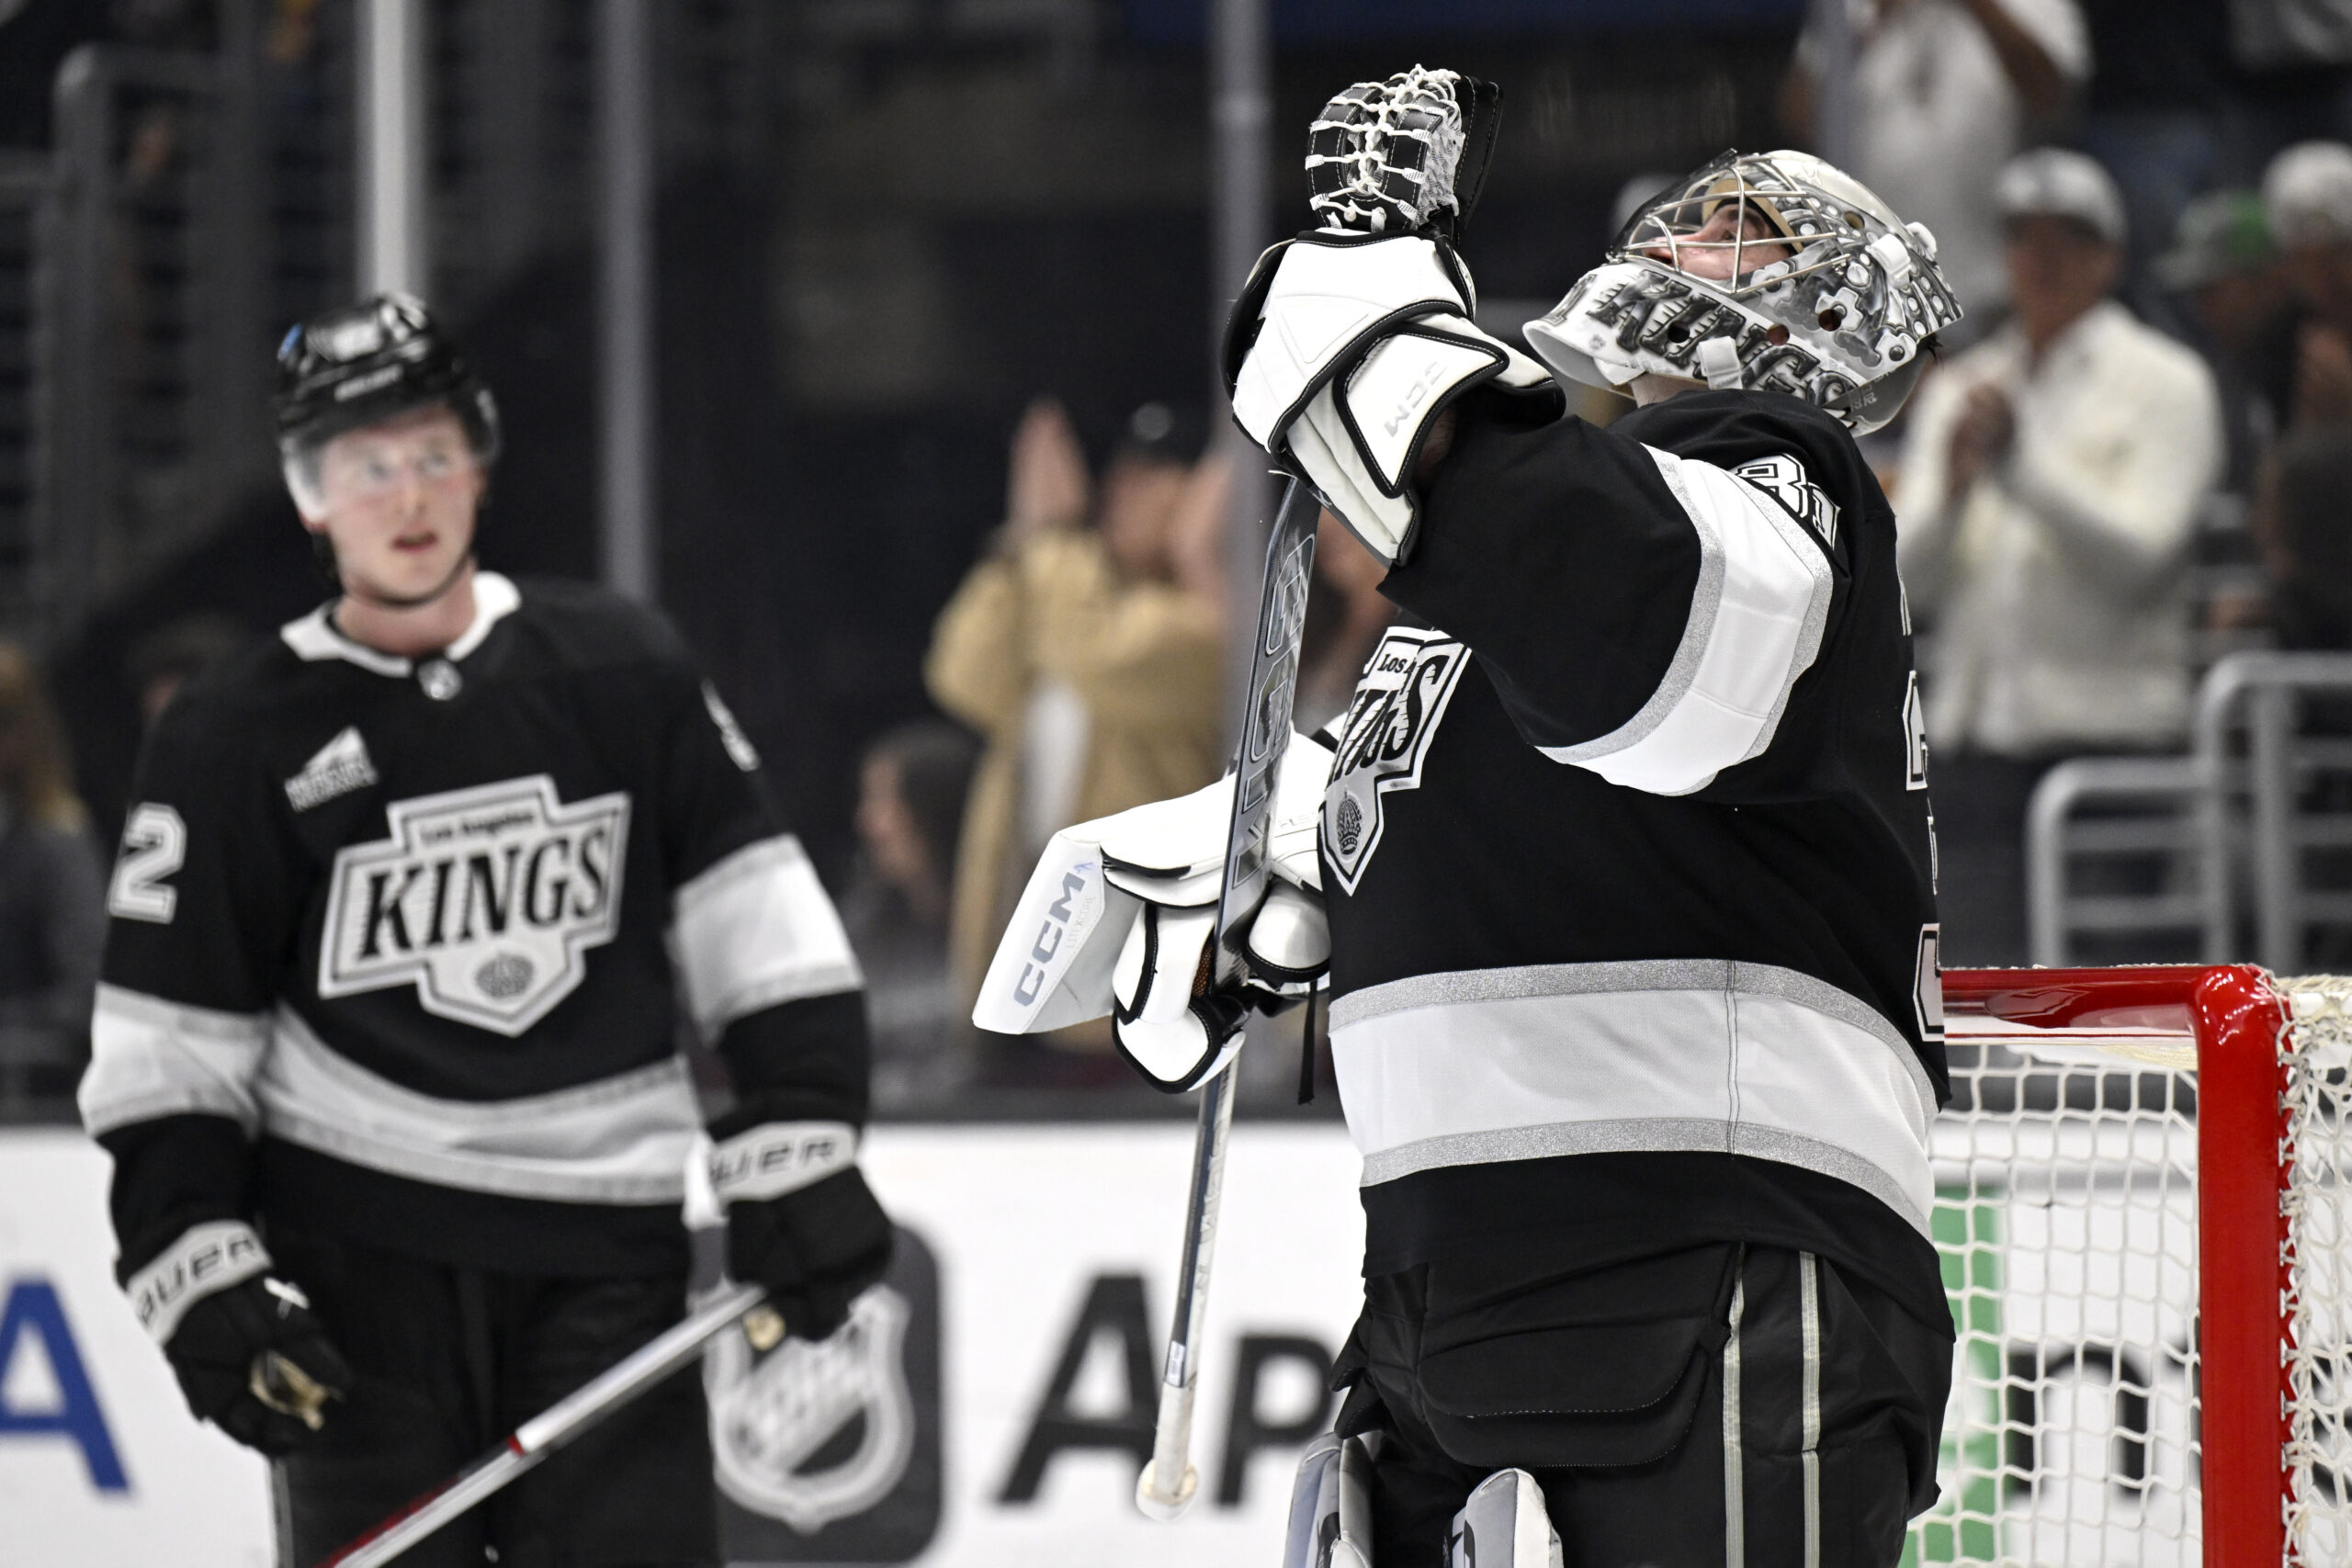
(1629, 857)
(398, 949)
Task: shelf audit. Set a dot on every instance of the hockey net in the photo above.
(2142, 1215)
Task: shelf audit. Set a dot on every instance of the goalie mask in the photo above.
(1769, 272)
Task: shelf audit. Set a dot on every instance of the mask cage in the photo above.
(1794, 217)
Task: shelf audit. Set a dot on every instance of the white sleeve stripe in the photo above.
(1756, 624)
(755, 931)
(151, 1057)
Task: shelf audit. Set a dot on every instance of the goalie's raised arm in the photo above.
(1350, 340)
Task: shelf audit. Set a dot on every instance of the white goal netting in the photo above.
(2066, 1216)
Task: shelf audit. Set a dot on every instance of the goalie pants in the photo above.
(446, 1362)
(1745, 1405)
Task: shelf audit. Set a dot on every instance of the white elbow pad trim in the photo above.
(777, 1158)
(1754, 627)
(208, 1258)
(151, 1057)
(756, 929)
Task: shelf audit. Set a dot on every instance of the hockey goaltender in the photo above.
(384, 1050)
(1622, 862)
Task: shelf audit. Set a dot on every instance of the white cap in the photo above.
(2054, 181)
(2307, 194)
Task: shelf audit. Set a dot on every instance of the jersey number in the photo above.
(154, 844)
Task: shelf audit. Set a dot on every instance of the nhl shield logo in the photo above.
(771, 1417)
(486, 899)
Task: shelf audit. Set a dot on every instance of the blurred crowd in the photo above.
(2131, 459)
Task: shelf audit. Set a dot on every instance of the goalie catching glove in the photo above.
(1119, 915)
(250, 1356)
(1349, 341)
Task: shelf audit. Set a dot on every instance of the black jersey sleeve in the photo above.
(201, 905)
(763, 958)
(1645, 599)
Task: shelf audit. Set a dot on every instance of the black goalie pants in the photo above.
(446, 1362)
(1747, 1407)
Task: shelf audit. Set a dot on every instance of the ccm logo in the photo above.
(1414, 396)
(1049, 937)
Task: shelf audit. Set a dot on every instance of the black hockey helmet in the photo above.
(365, 362)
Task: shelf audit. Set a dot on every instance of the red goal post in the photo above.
(2141, 1207)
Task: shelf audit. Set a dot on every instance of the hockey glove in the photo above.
(1349, 341)
(250, 1356)
(1094, 886)
(800, 1220)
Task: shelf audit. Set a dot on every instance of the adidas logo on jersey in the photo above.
(341, 767)
(486, 899)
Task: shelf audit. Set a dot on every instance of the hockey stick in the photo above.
(651, 1362)
(1169, 1483)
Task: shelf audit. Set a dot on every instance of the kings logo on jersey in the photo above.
(487, 899)
(1398, 704)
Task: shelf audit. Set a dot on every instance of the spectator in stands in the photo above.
(912, 788)
(2307, 192)
(2154, 116)
(2051, 486)
(1946, 92)
(2225, 266)
(2304, 532)
(52, 919)
(1089, 658)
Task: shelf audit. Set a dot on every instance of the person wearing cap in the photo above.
(1087, 646)
(2051, 482)
(1945, 93)
(2224, 264)
(2307, 195)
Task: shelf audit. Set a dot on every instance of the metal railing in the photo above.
(2233, 840)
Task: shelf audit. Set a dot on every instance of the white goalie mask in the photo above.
(1824, 293)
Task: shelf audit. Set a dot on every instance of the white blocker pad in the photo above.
(1053, 966)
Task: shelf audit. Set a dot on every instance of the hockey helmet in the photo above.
(1827, 294)
(367, 361)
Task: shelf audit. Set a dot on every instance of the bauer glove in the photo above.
(250, 1356)
(800, 1221)
(1117, 918)
(1349, 341)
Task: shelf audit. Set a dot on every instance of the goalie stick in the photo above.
(1403, 155)
(1169, 1483)
(651, 1362)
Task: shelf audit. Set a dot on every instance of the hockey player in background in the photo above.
(408, 900)
(1626, 858)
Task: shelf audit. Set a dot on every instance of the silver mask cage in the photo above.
(1826, 293)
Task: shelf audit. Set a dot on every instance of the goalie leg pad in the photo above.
(1504, 1525)
(1330, 1506)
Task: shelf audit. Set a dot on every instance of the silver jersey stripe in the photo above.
(1728, 975)
(756, 929)
(151, 1057)
(624, 1139)
(1535, 1072)
(1755, 623)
